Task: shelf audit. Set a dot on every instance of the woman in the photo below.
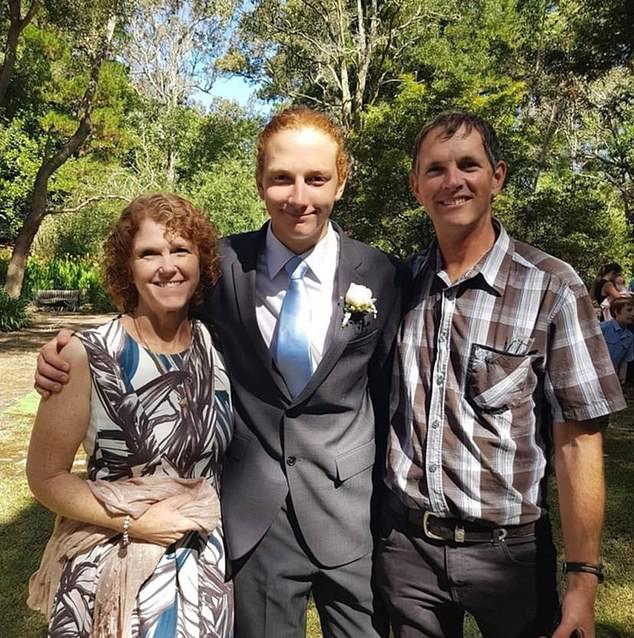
(621, 291)
(148, 396)
(603, 284)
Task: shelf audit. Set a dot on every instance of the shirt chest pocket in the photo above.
(498, 381)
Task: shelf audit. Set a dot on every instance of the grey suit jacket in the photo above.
(319, 447)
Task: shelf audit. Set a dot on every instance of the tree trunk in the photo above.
(17, 24)
(343, 25)
(24, 240)
(546, 141)
(39, 197)
(172, 159)
(365, 52)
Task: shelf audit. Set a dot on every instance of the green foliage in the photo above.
(226, 132)
(573, 219)
(5, 255)
(25, 94)
(228, 194)
(555, 79)
(594, 36)
(67, 273)
(569, 151)
(112, 134)
(13, 313)
(19, 162)
(80, 233)
(378, 206)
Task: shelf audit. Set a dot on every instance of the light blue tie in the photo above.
(292, 354)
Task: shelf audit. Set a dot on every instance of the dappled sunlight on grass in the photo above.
(25, 527)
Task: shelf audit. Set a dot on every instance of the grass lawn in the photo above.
(25, 527)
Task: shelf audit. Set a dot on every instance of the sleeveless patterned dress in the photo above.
(150, 414)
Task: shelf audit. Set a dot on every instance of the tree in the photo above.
(19, 163)
(470, 62)
(172, 48)
(41, 113)
(605, 134)
(334, 55)
(219, 168)
(572, 216)
(226, 191)
(98, 43)
(595, 36)
(226, 132)
(17, 23)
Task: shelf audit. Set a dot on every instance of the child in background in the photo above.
(619, 339)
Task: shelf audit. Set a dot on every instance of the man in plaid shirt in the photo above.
(500, 365)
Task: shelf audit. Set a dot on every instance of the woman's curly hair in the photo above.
(180, 218)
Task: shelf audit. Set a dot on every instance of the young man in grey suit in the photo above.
(298, 477)
(306, 318)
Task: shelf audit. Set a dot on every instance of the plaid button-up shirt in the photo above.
(485, 366)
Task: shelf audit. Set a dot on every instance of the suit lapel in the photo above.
(244, 273)
(349, 262)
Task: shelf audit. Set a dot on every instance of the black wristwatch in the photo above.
(588, 568)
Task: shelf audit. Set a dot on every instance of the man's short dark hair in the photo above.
(618, 304)
(450, 122)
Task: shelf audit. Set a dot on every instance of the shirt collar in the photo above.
(492, 269)
(317, 258)
(495, 266)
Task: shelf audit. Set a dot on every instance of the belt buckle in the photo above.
(499, 534)
(426, 529)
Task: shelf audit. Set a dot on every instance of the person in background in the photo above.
(148, 396)
(618, 337)
(619, 284)
(621, 290)
(603, 284)
(499, 364)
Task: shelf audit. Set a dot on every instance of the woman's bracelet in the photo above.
(125, 539)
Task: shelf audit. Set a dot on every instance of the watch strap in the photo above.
(588, 568)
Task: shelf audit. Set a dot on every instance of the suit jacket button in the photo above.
(291, 461)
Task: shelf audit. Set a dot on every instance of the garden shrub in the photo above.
(68, 273)
(64, 273)
(13, 313)
(4, 265)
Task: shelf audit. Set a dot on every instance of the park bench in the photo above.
(58, 299)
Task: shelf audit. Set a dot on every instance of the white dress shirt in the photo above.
(271, 283)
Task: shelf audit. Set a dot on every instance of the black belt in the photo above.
(454, 530)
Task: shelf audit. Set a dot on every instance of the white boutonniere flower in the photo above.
(358, 300)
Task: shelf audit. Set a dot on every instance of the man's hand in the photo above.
(51, 373)
(577, 609)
